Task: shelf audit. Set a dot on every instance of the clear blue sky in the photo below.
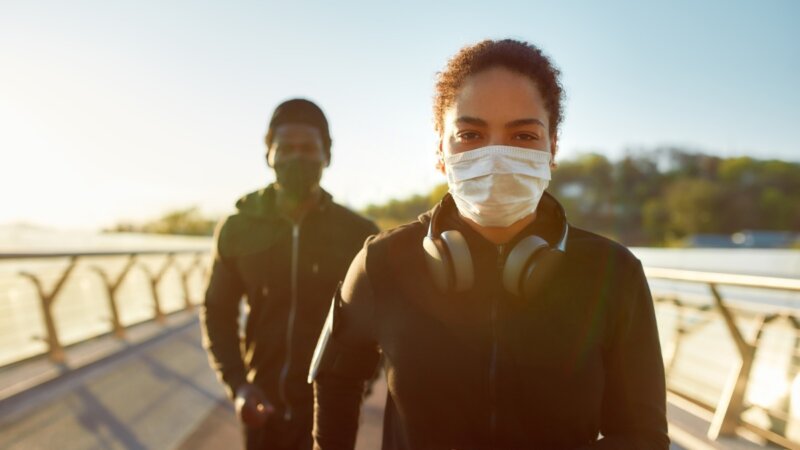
(123, 110)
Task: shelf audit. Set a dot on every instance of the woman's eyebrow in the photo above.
(471, 121)
(522, 122)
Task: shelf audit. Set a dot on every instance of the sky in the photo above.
(122, 111)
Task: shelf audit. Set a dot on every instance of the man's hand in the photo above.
(252, 406)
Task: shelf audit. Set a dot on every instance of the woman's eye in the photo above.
(468, 135)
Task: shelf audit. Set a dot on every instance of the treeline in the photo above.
(657, 197)
(189, 221)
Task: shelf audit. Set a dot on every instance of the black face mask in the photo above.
(298, 177)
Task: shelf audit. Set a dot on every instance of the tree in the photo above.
(692, 207)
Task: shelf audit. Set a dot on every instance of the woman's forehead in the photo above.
(498, 94)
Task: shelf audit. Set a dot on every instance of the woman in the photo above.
(500, 325)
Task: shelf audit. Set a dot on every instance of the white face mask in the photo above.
(497, 185)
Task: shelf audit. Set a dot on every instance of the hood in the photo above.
(261, 203)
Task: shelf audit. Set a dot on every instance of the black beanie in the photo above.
(301, 111)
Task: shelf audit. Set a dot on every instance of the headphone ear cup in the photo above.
(461, 260)
(438, 261)
(521, 261)
(540, 272)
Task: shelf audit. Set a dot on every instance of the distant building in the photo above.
(708, 240)
(745, 239)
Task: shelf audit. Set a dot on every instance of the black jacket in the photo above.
(484, 369)
(288, 274)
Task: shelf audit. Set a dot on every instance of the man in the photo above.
(501, 326)
(284, 250)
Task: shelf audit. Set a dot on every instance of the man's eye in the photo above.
(527, 137)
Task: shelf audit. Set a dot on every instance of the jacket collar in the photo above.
(549, 223)
(262, 203)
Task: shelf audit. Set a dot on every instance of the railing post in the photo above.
(54, 348)
(731, 403)
(779, 425)
(680, 331)
(111, 290)
(195, 264)
(155, 280)
(187, 303)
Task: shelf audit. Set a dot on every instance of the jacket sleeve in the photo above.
(634, 401)
(349, 358)
(219, 319)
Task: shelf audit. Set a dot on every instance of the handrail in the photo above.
(34, 255)
(727, 279)
(731, 405)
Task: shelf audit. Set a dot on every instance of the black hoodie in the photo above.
(486, 370)
(288, 273)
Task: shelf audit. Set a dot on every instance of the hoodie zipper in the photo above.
(287, 362)
(493, 359)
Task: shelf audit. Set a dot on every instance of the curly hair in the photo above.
(517, 56)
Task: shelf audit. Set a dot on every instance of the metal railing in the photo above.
(745, 324)
(48, 294)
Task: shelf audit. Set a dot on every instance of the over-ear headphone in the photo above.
(527, 267)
